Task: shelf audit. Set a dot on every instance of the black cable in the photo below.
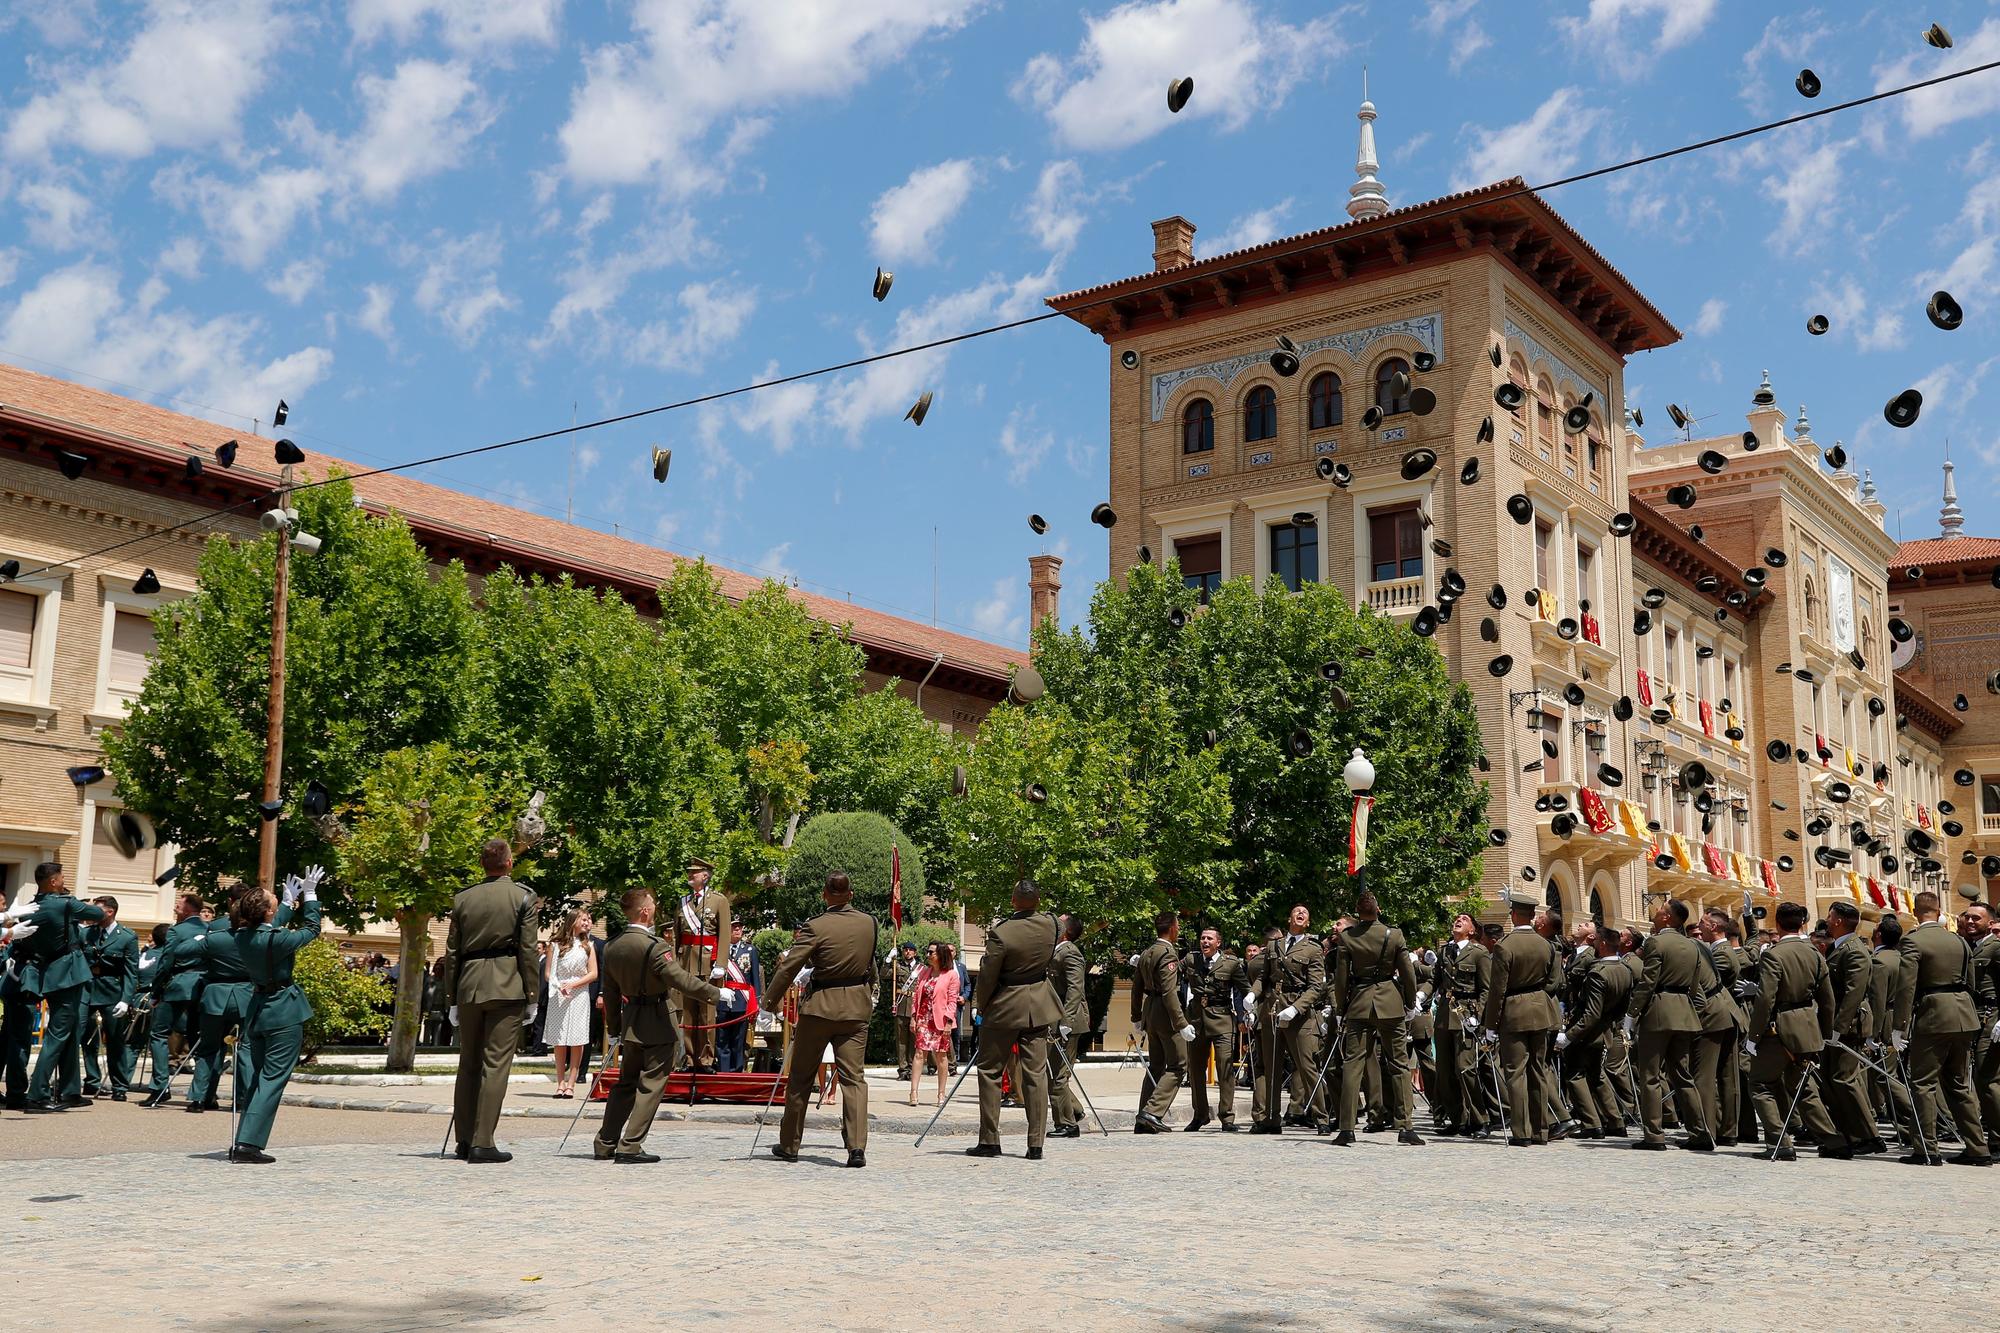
(1389, 223)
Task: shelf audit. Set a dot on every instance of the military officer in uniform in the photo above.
(1595, 1014)
(55, 967)
(1017, 1010)
(839, 946)
(1986, 1000)
(1069, 973)
(1214, 980)
(224, 1004)
(1788, 1030)
(1520, 1014)
(17, 1013)
(1846, 1093)
(113, 952)
(1375, 993)
(704, 927)
(1468, 973)
(1885, 972)
(1722, 1026)
(1936, 1020)
(1156, 1011)
(493, 986)
(639, 975)
(274, 1026)
(1300, 973)
(1267, 1052)
(1664, 1021)
(176, 987)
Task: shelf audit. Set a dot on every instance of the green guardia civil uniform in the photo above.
(639, 976)
(1668, 1012)
(1156, 1011)
(492, 973)
(1069, 974)
(1722, 1027)
(177, 981)
(1846, 1092)
(277, 1017)
(1790, 1023)
(1597, 1011)
(839, 946)
(1213, 985)
(1934, 1009)
(1985, 1050)
(1521, 1008)
(1374, 989)
(225, 1005)
(113, 952)
(1017, 1010)
(56, 968)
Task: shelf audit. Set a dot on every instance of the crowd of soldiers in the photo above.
(1732, 1032)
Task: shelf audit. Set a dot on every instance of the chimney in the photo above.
(1173, 243)
(1044, 589)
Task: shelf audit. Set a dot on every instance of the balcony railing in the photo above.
(1391, 595)
(1989, 823)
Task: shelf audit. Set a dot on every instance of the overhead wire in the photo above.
(1388, 223)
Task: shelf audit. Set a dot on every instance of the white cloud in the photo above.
(1023, 445)
(1709, 322)
(1771, 65)
(78, 317)
(60, 22)
(1808, 196)
(907, 219)
(298, 280)
(1004, 615)
(376, 304)
(649, 109)
(711, 317)
(1113, 91)
(1455, 17)
(777, 414)
(774, 565)
(182, 82)
(1541, 148)
(465, 25)
(10, 264)
(1613, 25)
(1972, 277)
(1054, 214)
(1925, 113)
(594, 284)
(59, 217)
(182, 258)
(460, 287)
(1251, 229)
(251, 219)
(419, 121)
(1850, 315)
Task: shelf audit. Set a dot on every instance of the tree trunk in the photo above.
(413, 962)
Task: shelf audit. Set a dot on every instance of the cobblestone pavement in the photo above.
(1189, 1232)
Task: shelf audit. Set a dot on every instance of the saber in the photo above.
(167, 1091)
(1077, 1083)
(450, 1122)
(1785, 1130)
(784, 1067)
(949, 1097)
(575, 1119)
(1922, 1143)
(1332, 1054)
(1492, 1062)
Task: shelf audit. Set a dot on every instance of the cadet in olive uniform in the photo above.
(17, 1013)
(1301, 979)
(113, 951)
(1595, 1014)
(839, 946)
(1885, 974)
(639, 975)
(1986, 1000)
(176, 989)
(1070, 975)
(224, 1003)
(1214, 980)
(1468, 974)
(54, 966)
(1156, 1011)
(1017, 1010)
(1375, 992)
(1267, 1053)
(275, 1025)
(1722, 1027)
(1521, 1012)
(1846, 1093)
(1788, 1030)
(1664, 1019)
(492, 980)
(701, 941)
(1936, 1020)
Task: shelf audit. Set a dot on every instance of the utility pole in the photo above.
(274, 726)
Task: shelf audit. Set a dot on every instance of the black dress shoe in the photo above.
(1870, 1148)
(1192, 1125)
(1725, 1143)
(42, 1108)
(1650, 1145)
(1410, 1138)
(1145, 1124)
(1479, 1132)
(1266, 1127)
(1837, 1152)
(1034, 1154)
(1618, 1133)
(1375, 1127)
(157, 1099)
(1516, 1142)
(783, 1154)
(1698, 1145)
(1562, 1129)
(1785, 1155)
(77, 1103)
(1324, 1128)
(90, 1091)
(17, 1103)
(117, 1096)
(635, 1158)
(1229, 1126)
(1921, 1159)
(462, 1151)
(1972, 1159)
(983, 1150)
(244, 1155)
(856, 1157)
(1344, 1139)
(195, 1108)
(478, 1155)
(1065, 1132)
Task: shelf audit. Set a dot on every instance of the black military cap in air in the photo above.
(1496, 597)
(1807, 83)
(191, 467)
(1036, 793)
(1775, 558)
(1681, 496)
(1785, 863)
(1694, 775)
(1509, 395)
(1423, 361)
(1817, 325)
(1371, 418)
(1300, 742)
(1938, 37)
(1778, 750)
(1285, 361)
(270, 810)
(1567, 628)
(1712, 461)
(1751, 444)
(1497, 836)
(1623, 524)
(883, 279)
(1654, 598)
(1989, 866)
(1343, 475)
(1707, 583)
(71, 464)
(1104, 516)
(1664, 861)
(919, 409)
(1952, 828)
(287, 453)
(1642, 622)
(1573, 694)
(1548, 747)
(1836, 457)
(1301, 518)
(1899, 629)
(1563, 825)
(1520, 508)
(1803, 674)
(1839, 792)
(1622, 710)
(1426, 622)
(1902, 410)
(1423, 401)
(168, 876)
(1145, 554)
(1037, 524)
(1469, 473)
(225, 453)
(1610, 776)
(1696, 534)
(1177, 618)
(1441, 548)
(1417, 462)
(1485, 435)
(1178, 92)
(1944, 312)
(1959, 703)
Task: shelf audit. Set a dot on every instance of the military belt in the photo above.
(1670, 990)
(1360, 983)
(1711, 992)
(1023, 978)
(497, 951)
(1528, 989)
(1954, 988)
(1806, 1003)
(819, 985)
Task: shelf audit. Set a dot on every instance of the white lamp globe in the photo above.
(1359, 775)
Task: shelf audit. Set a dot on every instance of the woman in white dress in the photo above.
(572, 967)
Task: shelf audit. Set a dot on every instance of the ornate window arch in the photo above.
(1385, 374)
(1198, 427)
(1324, 407)
(1260, 414)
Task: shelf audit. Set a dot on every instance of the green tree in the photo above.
(859, 844)
(414, 840)
(883, 754)
(347, 1004)
(378, 654)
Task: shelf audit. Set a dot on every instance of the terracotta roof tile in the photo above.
(1948, 550)
(422, 503)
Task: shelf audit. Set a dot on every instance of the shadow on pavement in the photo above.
(464, 1308)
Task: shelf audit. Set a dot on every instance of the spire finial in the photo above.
(1801, 429)
(1951, 519)
(1765, 396)
(1366, 198)
(1868, 485)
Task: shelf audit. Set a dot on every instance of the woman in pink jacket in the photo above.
(934, 1017)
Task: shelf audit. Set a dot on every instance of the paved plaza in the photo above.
(359, 1226)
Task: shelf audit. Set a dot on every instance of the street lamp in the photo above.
(1359, 775)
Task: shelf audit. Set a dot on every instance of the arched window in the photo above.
(1323, 399)
(1596, 907)
(1198, 427)
(1260, 414)
(1384, 375)
(1545, 419)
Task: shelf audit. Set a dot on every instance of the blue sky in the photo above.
(430, 224)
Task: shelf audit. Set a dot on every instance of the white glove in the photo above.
(1288, 1013)
(529, 1017)
(1187, 1033)
(118, 1009)
(295, 889)
(1631, 1026)
(717, 972)
(17, 911)
(1489, 1036)
(1064, 1029)
(23, 931)
(1562, 1041)
(314, 874)
(1471, 1024)
(1423, 997)
(1899, 1040)
(451, 1015)
(1996, 1031)
(1750, 1048)
(729, 998)
(147, 964)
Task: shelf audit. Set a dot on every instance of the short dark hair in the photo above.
(1847, 912)
(46, 871)
(108, 903)
(1610, 937)
(186, 899)
(1164, 919)
(633, 900)
(1790, 917)
(496, 858)
(1679, 911)
(1891, 930)
(1925, 901)
(837, 882)
(1072, 926)
(159, 934)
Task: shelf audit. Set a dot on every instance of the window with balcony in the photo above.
(1198, 427)
(1323, 404)
(1385, 396)
(1545, 540)
(1670, 654)
(1260, 414)
(1395, 558)
(1295, 553)
(1989, 803)
(1201, 563)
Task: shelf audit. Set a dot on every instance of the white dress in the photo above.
(569, 1018)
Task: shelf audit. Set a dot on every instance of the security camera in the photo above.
(305, 541)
